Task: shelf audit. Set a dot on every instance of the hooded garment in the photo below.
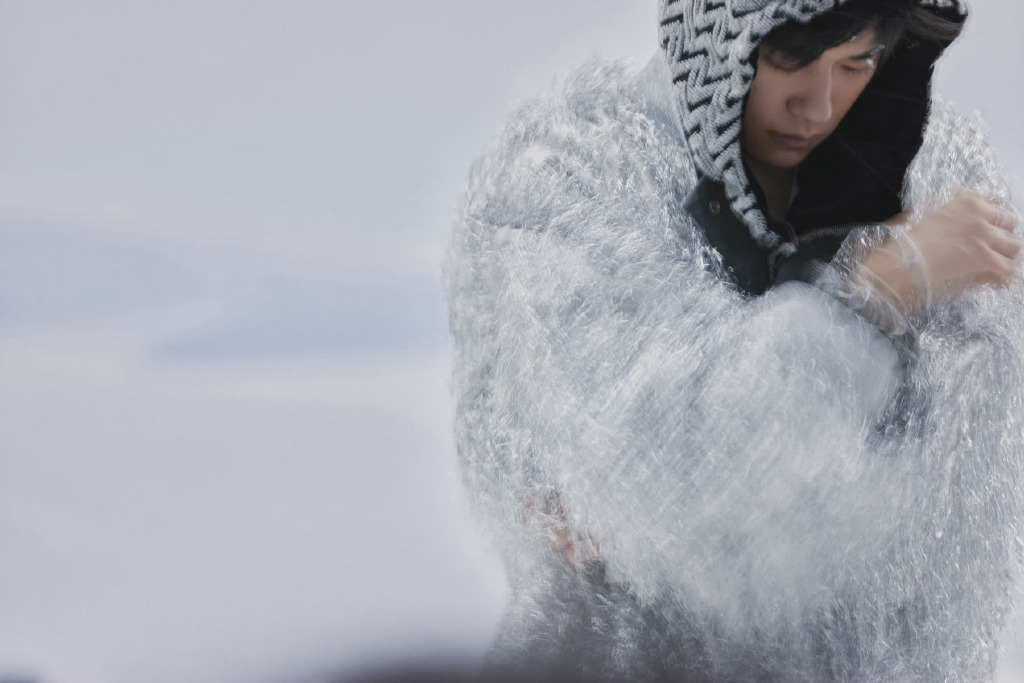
(776, 489)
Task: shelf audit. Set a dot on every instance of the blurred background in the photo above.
(225, 449)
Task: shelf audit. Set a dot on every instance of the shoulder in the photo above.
(603, 134)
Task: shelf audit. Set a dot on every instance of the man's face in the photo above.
(790, 111)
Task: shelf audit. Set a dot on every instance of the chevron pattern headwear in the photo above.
(708, 45)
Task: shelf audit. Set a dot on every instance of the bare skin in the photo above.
(564, 541)
(791, 110)
(573, 548)
(967, 243)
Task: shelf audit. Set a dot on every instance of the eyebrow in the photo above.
(869, 54)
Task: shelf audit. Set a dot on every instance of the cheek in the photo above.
(751, 108)
(764, 99)
(845, 99)
(756, 114)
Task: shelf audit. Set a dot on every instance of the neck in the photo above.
(777, 185)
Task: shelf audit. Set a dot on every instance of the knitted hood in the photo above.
(710, 45)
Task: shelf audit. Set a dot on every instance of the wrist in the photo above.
(892, 280)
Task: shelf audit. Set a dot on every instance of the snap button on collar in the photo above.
(715, 207)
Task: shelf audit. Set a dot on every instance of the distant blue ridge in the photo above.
(49, 274)
(313, 319)
(52, 275)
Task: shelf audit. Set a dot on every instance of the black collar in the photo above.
(753, 267)
(745, 259)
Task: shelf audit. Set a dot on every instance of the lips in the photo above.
(794, 142)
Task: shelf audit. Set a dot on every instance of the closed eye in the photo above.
(864, 67)
(779, 61)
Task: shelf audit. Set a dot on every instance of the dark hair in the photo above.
(893, 20)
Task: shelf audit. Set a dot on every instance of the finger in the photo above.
(574, 550)
(561, 541)
(1002, 219)
(1006, 243)
(584, 552)
(974, 194)
(963, 192)
(1001, 273)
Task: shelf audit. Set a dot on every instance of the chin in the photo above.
(766, 153)
(788, 159)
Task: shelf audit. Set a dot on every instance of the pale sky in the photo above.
(337, 133)
(225, 431)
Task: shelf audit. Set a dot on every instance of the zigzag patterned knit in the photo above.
(709, 44)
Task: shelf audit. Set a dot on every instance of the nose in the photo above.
(812, 100)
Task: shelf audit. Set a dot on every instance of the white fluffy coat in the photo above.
(776, 492)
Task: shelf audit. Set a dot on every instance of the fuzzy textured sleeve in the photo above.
(764, 465)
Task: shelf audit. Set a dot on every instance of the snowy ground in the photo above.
(229, 523)
(224, 421)
(232, 521)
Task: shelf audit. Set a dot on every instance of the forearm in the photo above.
(649, 403)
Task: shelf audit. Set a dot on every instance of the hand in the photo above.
(964, 244)
(574, 547)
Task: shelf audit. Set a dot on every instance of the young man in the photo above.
(739, 358)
